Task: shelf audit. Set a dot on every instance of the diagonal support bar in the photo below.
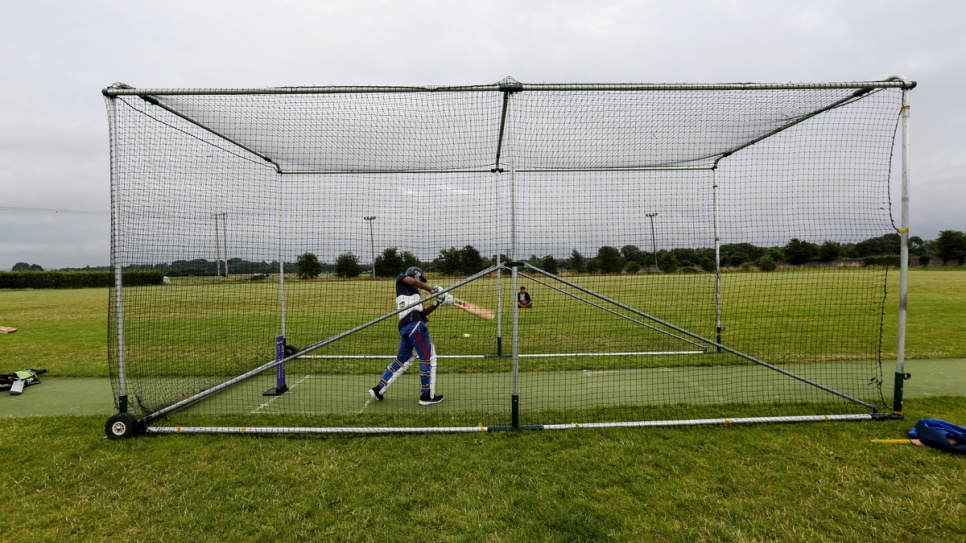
(703, 339)
(273, 363)
(611, 311)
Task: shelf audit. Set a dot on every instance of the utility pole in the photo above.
(372, 244)
(653, 237)
(221, 242)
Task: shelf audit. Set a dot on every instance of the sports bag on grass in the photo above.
(940, 434)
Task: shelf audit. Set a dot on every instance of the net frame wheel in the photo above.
(122, 426)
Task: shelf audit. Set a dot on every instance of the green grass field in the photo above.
(806, 482)
(66, 331)
(215, 330)
(802, 483)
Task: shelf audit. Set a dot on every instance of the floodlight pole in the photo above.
(372, 243)
(224, 240)
(217, 247)
(653, 237)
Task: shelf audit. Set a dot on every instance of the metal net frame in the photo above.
(626, 210)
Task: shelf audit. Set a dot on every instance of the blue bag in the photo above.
(940, 434)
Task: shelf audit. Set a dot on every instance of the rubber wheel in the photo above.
(290, 350)
(121, 426)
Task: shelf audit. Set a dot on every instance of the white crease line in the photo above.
(269, 402)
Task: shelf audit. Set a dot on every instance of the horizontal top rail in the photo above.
(126, 90)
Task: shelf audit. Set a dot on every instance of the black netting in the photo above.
(699, 249)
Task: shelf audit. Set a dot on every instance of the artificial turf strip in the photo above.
(88, 395)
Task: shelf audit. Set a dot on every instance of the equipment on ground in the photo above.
(16, 381)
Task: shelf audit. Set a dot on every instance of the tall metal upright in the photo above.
(718, 328)
(509, 90)
(499, 257)
(116, 255)
(281, 384)
(507, 87)
(901, 375)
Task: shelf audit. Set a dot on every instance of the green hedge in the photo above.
(891, 261)
(78, 279)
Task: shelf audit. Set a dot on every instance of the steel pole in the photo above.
(372, 243)
(653, 239)
(901, 375)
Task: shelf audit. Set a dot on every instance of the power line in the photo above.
(42, 210)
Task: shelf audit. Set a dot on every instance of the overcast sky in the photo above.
(56, 56)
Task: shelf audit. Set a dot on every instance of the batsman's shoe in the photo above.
(374, 392)
(426, 399)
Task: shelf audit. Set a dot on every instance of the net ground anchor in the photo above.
(276, 391)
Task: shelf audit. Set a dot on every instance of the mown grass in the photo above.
(66, 330)
(808, 482)
(936, 317)
(62, 330)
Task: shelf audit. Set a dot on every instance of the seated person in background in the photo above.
(523, 299)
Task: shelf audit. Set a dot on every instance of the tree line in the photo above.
(949, 247)
(23, 266)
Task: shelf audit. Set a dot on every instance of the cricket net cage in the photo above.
(689, 251)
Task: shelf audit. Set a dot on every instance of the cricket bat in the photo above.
(898, 441)
(481, 312)
(7, 329)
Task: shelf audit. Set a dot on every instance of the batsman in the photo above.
(414, 337)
